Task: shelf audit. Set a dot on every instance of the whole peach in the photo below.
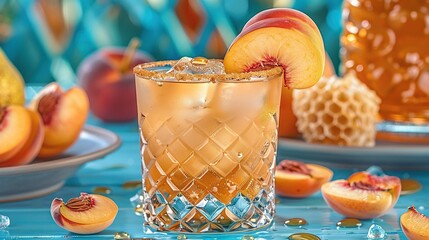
(111, 92)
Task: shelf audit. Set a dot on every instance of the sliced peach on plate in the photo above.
(362, 196)
(298, 180)
(31, 146)
(86, 214)
(15, 129)
(415, 225)
(279, 37)
(64, 114)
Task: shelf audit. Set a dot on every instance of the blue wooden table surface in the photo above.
(31, 218)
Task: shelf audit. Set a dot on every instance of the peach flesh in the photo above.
(298, 180)
(415, 225)
(269, 61)
(15, 128)
(64, 114)
(86, 214)
(287, 41)
(358, 200)
(32, 145)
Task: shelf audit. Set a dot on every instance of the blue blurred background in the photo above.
(47, 39)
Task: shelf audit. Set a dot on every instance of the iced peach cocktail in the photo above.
(209, 138)
(209, 144)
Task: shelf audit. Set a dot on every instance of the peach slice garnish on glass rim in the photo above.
(279, 37)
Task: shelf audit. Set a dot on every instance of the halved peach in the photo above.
(86, 214)
(64, 114)
(279, 37)
(32, 144)
(15, 129)
(415, 225)
(297, 180)
(362, 196)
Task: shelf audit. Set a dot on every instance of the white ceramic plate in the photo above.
(387, 155)
(40, 178)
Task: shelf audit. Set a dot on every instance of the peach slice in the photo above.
(279, 37)
(415, 225)
(64, 114)
(32, 144)
(362, 196)
(15, 129)
(298, 180)
(287, 121)
(86, 214)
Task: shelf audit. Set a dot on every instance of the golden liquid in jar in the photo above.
(386, 44)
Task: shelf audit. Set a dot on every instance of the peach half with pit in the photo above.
(362, 195)
(27, 139)
(298, 180)
(63, 113)
(415, 225)
(86, 214)
(279, 37)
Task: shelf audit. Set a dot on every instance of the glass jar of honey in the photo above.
(386, 44)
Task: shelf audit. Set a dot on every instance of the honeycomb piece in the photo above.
(339, 111)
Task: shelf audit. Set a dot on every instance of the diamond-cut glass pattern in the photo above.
(210, 207)
(210, 177)
(224, 137)
(239, 206)
(224, 166)
(195, 138)
(179, 207)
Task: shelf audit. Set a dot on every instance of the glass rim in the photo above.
(142, 70)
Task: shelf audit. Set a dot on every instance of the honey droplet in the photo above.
(132, 184)
(102, 190)
(410, 186)
(349, 223)
(181, 237)
(247, 237)
(138, 210)
(303, 236)
(159, 83)
(121, 236)
(199, 61)
(295, 222)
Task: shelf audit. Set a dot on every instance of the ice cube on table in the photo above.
(197, 65)
(4, 222)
